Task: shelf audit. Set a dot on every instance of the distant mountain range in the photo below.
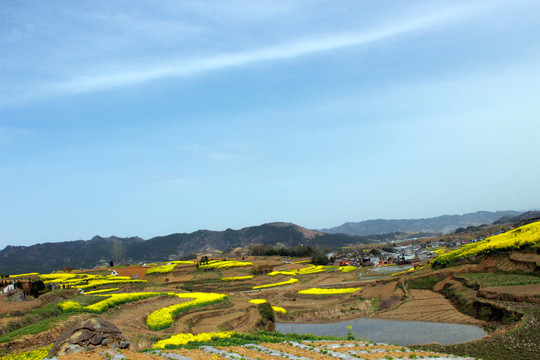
(87, 254)
(439, 224)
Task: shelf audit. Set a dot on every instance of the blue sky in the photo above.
(134, 118)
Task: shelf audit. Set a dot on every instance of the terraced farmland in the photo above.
(426, 305)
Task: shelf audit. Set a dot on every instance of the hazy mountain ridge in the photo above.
(439, 224)
(87, 254)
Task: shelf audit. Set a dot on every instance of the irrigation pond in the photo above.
(391, 331)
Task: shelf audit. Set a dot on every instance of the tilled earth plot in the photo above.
(427, 305)
(305, 350)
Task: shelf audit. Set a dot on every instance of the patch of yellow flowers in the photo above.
(38, 354)
(163, 269)
(237, 278)
(522, 236)
(113, 280)
(100, 291)
(288, 282)
(257, 301)
(307, 270)
(160, 319)
(182, 339)
(320, 291)
(224, 264)
(21, 275)
(164, 317)
(117, 299)
(347, 268)
(403, 272)
(84, 281)
(69, 305)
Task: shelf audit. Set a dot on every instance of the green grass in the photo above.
(424, 282)
(33, 328)
(487, 280)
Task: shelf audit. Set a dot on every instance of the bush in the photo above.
(268, 317)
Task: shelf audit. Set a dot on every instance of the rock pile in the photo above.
(92, 334)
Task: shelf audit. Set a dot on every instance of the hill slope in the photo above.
(440, 224)
(87, 254)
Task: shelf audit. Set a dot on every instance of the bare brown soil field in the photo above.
(530, 289)
(426, 305)
(529, 258)
(131, 271)
(378, 290)
(527, 293)
(7, 307)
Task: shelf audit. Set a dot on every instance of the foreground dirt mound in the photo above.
(89, 335)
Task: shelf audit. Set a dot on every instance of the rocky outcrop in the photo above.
(92, 334)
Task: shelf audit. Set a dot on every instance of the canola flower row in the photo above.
(84, 281)
(224, 264)
(517, 238)
(22, 275)
(100, 291)
(403, 272)
(164, 317)
(346, 268)
(237, 278)
(320, 291)
(94, 283)
(288, 282)
(307, 270)
(182, 262)
(257, 301)
(163, 269)
(158, 320)
(37, 354)
(113, 300)
(183, 339)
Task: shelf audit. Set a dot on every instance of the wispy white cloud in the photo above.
(182, 67)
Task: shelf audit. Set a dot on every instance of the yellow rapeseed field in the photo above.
(224, 264)
(163, 269)
(320, 291)
(38, 354)
(517, 238)
(164, 317)
(237, 278)
(290, 281)
(182, 339)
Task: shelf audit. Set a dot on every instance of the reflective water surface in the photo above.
(391, 331)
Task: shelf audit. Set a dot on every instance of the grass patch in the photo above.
(33, 328)
(423, 283)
